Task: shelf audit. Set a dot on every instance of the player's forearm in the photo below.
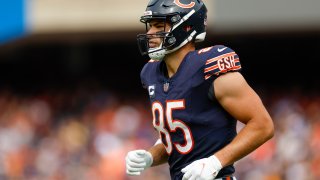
(254, 134)
(159, 154)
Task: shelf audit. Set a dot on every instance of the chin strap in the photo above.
(158, 55)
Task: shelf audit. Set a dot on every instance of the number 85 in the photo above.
(173, 125)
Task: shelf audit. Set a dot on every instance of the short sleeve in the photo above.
(221, 60)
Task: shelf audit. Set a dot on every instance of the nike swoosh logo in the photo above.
(222, 49)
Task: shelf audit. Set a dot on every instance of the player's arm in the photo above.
(139, 160)
(159, 154)
(241, 101)
(236, 97)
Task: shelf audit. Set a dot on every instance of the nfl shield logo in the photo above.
(166, 87)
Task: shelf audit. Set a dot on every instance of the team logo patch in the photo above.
(185, 6)
(151, 90)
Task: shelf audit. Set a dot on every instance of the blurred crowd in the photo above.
(84, 134)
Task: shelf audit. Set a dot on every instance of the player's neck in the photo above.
(173, 60)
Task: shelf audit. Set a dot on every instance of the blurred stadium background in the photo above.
(71, 103)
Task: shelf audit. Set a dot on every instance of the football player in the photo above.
(197, 97)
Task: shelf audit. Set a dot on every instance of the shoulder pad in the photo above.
(221, 59)
(147, 71)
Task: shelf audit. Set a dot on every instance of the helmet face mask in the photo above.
(186, 25)
(144, 39)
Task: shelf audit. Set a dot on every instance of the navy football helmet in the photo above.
(180, 14)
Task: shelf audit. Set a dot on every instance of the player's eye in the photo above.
(157, 26)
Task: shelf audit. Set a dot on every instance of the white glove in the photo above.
(137, 161)
(202, 169)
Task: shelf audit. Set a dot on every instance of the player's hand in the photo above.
(137, 161)
(202, 169)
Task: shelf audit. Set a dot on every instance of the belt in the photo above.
(227, 178)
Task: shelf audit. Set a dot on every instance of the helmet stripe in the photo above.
(186, 17)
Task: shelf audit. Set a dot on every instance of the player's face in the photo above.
(156, 27)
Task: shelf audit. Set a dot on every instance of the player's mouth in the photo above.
(153, 44)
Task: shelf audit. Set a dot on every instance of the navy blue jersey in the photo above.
(190, 123)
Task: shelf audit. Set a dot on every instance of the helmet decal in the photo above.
(178, 3)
